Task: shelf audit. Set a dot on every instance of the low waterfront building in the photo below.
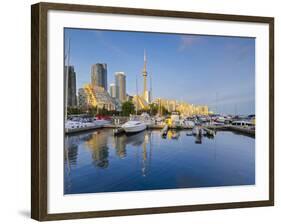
(169, 105)
(140, 103)
(96, 96)
(190, 109)
(183, 108)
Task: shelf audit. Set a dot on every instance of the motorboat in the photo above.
(134, 126)
(220, 119)
(242, 123)
(146, 119)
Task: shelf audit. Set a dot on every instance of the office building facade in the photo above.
(99, 75)
(120, 83)
(112, 90)
(71, 86)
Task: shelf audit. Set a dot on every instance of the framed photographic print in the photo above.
(139, 111)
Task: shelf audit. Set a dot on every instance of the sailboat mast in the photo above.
(137, 97)
(66, 80)
(150, 87)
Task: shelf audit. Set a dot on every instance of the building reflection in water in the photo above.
(120, 145)
(71, 148)
(140, 140)
(98, 144)
(71, 156)
(101, 162)
(71, 152)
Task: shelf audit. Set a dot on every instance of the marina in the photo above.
(122, 133)
(244, 127)
(142, 152)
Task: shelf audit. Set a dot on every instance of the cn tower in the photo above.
(144, 73)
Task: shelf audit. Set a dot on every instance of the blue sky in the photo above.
(213, 70)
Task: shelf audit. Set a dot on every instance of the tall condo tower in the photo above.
(120, 85)
(112, 90)
(71, 86)
(99, 75)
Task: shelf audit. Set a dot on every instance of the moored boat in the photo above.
(134, 126)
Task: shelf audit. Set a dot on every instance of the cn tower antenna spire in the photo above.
(144, 74)
(144, 60)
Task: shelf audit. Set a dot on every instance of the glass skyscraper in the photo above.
(99, 75)
(71, 88)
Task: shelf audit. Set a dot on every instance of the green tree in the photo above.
(153, 109)
(73, 110)
(165, 111)
(128, 108)
(92, 111)
(103, 111)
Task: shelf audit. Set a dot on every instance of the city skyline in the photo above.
(216, 71)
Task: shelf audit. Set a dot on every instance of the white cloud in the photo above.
(187, 41)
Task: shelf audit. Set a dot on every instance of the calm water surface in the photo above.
(100, 162)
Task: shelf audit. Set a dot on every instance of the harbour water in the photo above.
(98, 161)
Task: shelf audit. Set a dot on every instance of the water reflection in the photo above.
(101, 162)
(71, 152)
(198, 139)
(98, 147)
(120, 146)
(71, 148)
(120, 142)
(97, 144)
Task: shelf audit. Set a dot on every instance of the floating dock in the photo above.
(208, 131)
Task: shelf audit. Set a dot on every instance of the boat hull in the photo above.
(133, 129)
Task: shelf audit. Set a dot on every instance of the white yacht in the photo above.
(134, 126)
(146, 119)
